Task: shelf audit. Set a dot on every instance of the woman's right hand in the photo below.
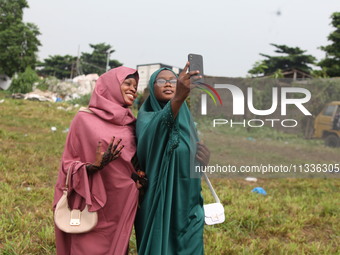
(104, 158)
(183, 88)
(184, 83)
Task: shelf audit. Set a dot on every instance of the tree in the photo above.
(68, 66)
(331, 63)
(19, 42)
(59, 66)
(95, 62)
(293, 58)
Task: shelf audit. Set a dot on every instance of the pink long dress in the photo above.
(111, 192)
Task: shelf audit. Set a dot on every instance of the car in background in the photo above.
(327, 124)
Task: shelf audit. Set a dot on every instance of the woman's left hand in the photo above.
(203, 154)
(113, 152)
(104, 158)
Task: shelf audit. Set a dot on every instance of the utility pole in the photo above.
(78, 67)
(108, 53)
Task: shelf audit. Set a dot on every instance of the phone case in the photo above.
(196, 63)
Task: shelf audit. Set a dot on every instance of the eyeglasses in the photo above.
(162, 82)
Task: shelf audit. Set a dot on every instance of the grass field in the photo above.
(297, 216)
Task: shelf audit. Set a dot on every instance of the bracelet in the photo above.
(91, 169)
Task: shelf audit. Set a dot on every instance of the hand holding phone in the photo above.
(183, 88)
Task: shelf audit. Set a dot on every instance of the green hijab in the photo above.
(151, 108)
(170, 219)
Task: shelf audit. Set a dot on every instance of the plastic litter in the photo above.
(53, 129)
(259, 190)
(18, 96)
(251, 179)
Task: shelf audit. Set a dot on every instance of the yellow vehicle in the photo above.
(327, 124)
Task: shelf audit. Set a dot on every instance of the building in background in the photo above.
(5, 82)
(146, 70)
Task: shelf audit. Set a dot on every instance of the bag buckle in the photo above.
(75, 218)
(215, 217)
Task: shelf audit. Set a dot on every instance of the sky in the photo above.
(229, 34)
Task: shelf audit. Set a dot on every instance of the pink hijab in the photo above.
(107, 100)
(110, 117)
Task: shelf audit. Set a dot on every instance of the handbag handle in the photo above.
(211, 188)
(68, 175)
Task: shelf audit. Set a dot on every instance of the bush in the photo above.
(23, 83)
(48, 83)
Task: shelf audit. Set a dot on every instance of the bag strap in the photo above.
(68, 175)
(85, 109)
(211, 188)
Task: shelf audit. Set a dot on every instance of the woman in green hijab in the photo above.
(170, 219)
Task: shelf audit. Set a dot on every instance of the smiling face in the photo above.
(166, 91)
(129, 90)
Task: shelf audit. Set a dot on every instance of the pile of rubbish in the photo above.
(62, 90)
(37, 95)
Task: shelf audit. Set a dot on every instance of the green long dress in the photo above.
(170, 219)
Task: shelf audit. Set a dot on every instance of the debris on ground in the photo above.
(250, 179)
(59, 91)
(259, 190)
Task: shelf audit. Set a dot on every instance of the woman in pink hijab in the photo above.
(101, 180)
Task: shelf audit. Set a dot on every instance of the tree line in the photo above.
(19, 45)
(68, 66)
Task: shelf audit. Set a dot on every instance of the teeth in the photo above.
(130, 96)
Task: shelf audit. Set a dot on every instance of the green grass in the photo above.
(298, 216)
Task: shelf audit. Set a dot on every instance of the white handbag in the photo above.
(73, 221)
(214, 212)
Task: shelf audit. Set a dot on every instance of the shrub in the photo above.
(83, 100)
(46, 83)
(23, 83)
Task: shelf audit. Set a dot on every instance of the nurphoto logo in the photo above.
(280, 98)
